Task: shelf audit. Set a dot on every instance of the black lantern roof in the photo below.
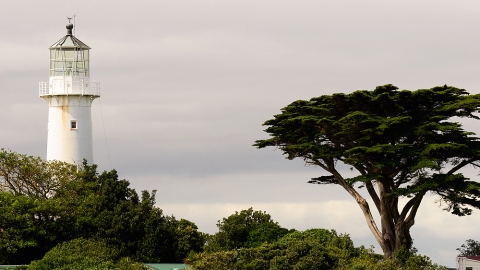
(69, 41)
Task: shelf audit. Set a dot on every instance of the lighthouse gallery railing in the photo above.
(75, 87)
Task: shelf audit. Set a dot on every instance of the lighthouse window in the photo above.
(69, 54)
(73, 124)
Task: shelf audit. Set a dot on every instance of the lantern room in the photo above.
(69, 56)
(69, 68)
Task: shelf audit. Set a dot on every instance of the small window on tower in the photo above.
(73, 124)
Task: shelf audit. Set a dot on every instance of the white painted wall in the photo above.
(463, 263)
(64, 143)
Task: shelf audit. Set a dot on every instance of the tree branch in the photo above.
(462, 164)
(407, 207)
(373, 194)
(410, 220)
(363, 206)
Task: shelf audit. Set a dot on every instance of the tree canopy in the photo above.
(33, 176)
(470, 248)
(402, 144)
(84, 254)
(247, 228)
(310, 249)
(44, 204)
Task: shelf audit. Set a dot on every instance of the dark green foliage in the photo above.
(312, 249)
(188, 239)
(309, 250)
(247, 228)
(84, 254)
(118, 212)
(110, 210)
(410, 260)
(27, 228)
(301, 255)
(265, 233)
(401, 144)
(85, 205)
(470, 248)
(224, 260)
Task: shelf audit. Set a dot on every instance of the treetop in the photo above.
(410, 140)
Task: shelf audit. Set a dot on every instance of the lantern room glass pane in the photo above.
(58, 54)
(79, 55)
(69, 54)
(69, 61)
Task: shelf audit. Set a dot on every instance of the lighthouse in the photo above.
(69, 94)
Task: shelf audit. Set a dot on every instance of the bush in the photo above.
(225, 260)
(84, 254)
(299, 250)
(247, 228)
(309, 250)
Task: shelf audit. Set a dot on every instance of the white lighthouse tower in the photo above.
(69, 93)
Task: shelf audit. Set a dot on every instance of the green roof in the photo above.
(167, 266)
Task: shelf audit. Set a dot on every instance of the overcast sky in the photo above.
(186, 86)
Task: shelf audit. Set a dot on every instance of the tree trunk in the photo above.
(402, 238)
(395, 227)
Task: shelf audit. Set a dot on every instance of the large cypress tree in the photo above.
(402, 144)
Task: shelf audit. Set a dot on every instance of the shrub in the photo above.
(84, 254)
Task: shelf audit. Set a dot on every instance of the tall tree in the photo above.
(402, 144)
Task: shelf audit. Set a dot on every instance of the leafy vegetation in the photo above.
(247, 228)
(33, 176)
(84, 254)
(311, 249)
(77, 218)
(470, 248)
(402, 144)
(83, 204)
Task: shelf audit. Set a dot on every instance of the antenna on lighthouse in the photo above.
(69, 21)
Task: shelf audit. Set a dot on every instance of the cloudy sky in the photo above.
(186, 86)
